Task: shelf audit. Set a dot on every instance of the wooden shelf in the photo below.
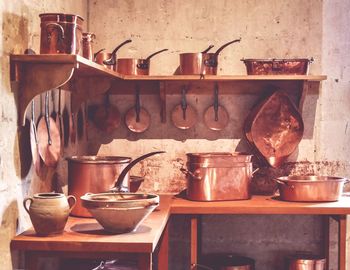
(36, 74)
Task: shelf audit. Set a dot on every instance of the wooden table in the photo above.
(268, 206)
(85, 238)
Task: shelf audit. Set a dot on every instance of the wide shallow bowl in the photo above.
(310, 188)
(120, 212)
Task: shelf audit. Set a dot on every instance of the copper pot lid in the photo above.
(137, 119)
(184, 116)
(275, 128)
(216, 116)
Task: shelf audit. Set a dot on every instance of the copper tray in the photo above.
(293, 66)
(275, 128)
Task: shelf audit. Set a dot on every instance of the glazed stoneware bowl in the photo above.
(120, 212)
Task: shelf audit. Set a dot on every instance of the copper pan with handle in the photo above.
(203, 63)
(134, 66)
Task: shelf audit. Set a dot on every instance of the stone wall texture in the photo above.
(269, 29)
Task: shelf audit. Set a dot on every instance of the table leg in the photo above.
(326, 228)
(145, 261)
(31, 260)
(195, 240)
(342, 243)
(163, 253)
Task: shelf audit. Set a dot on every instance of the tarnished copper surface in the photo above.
(277, 66)
(137, 125)
(60, 33)
(275, 128)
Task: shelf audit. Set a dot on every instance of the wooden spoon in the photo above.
(183, 115)
(137, 119)
(216, 116)
(49, 138)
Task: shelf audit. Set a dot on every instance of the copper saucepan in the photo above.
(109, 60)
(134, 66)
(203, 63)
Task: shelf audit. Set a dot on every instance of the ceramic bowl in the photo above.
(120, 212)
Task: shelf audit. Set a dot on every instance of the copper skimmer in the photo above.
(183, 115)
(137, 119)
(216, 116)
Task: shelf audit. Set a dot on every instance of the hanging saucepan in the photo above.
(34, 142)
(184, 116)
(216, 116)
(99, 174)
(203, 63)
(134, 66)
(109, 60)
(48, 138)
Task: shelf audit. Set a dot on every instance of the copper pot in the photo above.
(98, 174)
(310, 188)
(132, 66)
(218, 176)
(60, 33)
(202, 63)
(306, 262)
(87, 41)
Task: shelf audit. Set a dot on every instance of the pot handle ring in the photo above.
(25, 203)
(193, 175)
(73, 201)
(283, 183)
(57, 26)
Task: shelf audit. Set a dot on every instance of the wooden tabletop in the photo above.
(82, 234)
(260, 205)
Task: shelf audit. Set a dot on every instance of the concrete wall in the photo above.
(20, 30)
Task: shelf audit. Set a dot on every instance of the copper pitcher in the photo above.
(87, 45)
(60, 33)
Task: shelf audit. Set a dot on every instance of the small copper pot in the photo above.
(132, 66)
(203, 63)
(87, 45)
(60, 33)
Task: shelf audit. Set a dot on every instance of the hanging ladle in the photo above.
(34, 146)
(184, 116)
(216, 116)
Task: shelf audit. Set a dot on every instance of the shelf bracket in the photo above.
(36, 78)
(87, 88)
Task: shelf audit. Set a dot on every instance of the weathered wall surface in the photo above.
(274, 29)
(20, 30)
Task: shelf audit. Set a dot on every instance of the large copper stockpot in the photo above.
(202, 63)
(134, 66)
(218, 176)
(60, 33)
(306, 262)
(99, 174)
(310, 188)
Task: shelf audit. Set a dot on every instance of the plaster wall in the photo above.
(20, 30)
